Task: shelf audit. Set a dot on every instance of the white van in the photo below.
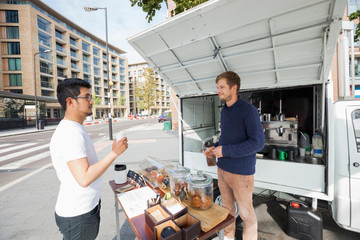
(283, 53)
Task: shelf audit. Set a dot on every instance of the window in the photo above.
(353, 6)
(44, 39)
(96, 61)
(12, 16)
(44, 25)
(355, 115)
(96, 51)
(12, 32)
(46, 67)
(15, 80)
(19, 91)
(46, 82)
(47, 93)
(86, 46)
(14, 64)
(140, 72)
(121, 62)
(13, 48)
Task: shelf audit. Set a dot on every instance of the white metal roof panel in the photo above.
(276, 43)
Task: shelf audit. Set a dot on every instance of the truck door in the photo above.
(353, 122)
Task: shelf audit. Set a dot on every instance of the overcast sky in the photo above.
(123, 20)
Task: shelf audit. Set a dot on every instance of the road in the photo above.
(22, 154)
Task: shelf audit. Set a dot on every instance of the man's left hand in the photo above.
(218, 152)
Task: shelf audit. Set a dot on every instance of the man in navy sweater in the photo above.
(241, 137)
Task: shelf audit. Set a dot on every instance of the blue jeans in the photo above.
(82, 227)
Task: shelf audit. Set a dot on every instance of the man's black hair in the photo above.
(70, 87)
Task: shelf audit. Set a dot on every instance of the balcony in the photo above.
(74, 45)
(61, 75)
(61, 51)
(74, 56)
(60, 38)
(46, 71)
(97, 72)
(47, 85)
(86, 50)
(75, 67)
(61, 63)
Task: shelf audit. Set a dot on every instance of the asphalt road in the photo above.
(23, 154)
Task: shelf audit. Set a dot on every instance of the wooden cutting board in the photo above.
(211, 217)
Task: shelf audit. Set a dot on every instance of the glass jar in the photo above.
(178, 179)
(201, 191)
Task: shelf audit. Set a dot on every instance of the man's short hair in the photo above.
(70, 87)
(232, 79)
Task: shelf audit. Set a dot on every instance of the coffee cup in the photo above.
(272, 153)
(120, 174)
(302, 152)
(291, 155)
(282, 155)
(119, 136)
(211, 161)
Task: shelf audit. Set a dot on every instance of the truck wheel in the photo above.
(217, 200)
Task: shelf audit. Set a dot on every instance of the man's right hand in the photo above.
(208, 152)
(119, 147)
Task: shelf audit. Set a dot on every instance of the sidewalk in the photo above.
(27, 208)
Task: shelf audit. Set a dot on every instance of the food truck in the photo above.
(285, 53)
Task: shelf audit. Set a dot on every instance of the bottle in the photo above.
(317, 145)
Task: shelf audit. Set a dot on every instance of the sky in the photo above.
(123, 20)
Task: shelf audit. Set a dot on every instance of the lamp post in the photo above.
(90, 9)
(36, 103)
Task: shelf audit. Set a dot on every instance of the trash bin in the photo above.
(41, 124)
(167, 126)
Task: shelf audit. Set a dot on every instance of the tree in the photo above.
(97, 101)
(151, 6)
(146, 92)
(353, 16)
(121, 101)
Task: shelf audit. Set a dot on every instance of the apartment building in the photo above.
(135, 72)
(40, 48)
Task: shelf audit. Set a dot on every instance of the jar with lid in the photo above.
(201, 191)
(178, 179)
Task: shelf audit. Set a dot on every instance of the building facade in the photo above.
(40, 48)
(135, 75)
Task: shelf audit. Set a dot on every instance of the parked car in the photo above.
(162, 118)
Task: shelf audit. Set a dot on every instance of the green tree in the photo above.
(353, 16)
(151, 6)
(97, 101)
(120, 101)
(146, 92)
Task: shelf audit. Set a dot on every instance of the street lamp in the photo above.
(90, 9)
(36, 108)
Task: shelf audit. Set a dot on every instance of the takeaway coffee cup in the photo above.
(120, 174)
(282, 155)
(302, 152)
(211, 161)
(120, 135)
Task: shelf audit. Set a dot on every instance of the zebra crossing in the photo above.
(22, 154)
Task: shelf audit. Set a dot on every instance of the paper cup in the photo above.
(302, 152)
(120, 135)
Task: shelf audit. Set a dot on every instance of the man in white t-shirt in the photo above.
(77, 210)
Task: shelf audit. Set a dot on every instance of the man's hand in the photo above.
(218, 152)
(118, 147)
(208, 152)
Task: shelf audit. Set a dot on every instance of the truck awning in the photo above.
(278, 43)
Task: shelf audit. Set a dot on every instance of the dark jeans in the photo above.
(82, 227)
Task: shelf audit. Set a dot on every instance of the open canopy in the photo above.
(277, 43)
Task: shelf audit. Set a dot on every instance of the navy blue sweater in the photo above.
(242, 136)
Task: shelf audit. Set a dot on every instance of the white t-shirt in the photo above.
(70, 142)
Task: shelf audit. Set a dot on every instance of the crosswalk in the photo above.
(21, 154)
